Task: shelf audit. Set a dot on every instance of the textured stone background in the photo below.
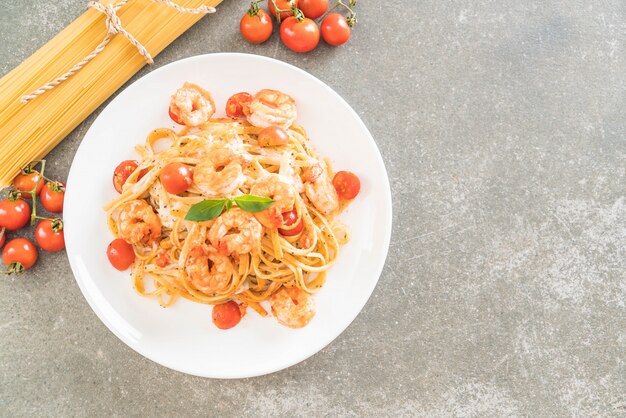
(502, 125)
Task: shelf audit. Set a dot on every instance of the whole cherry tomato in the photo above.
(120, 254)
(256, 25)
(313, 8)
(49, 235)
(176, 177)
(19, 254)
(273, 136)
(290, 218)
(347, 184)
(236, 106)
(299, 35)
(25, 183)
(335, 29)
(14, 212)
(226, 315)
(123, 171)
(282, 5)
(52, 196)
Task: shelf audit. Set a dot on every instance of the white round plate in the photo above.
(183, 337)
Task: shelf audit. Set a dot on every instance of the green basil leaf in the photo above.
(205, 210)
(229, 204)
(251, 203)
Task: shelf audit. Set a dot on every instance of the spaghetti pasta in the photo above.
(279, 254)
(29, 131)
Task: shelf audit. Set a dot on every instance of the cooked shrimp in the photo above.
(281, 191)
(319, 188)
(272, 107)
(292, 307)
(192, 105)
(137, 222)
(208, 270)
(236, 231)
(220, 174)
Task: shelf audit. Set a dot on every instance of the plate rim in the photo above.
(387, 205)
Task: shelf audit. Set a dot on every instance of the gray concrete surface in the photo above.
(502, 124)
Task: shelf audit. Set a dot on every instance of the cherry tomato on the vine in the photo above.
(49, 235)
(282, 5)
(176, 177)
(52, 196)
(290, 218)
(19, 254)
(226, 315)
(335, 29)
(236, 106)
(25, 183)
(120, 254)
(299, 36)
(256, 26)
(273, 136)
(347, 184)
(14, 213)
(313, 8)
(123, 171)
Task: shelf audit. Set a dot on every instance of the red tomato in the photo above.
(347, 184)
(226, 315)
(49, 235)
(25, 183)
(335, 29)
(120, 254)
(174, 117)
(290, 218)
(282, 5)
(123, 171)
(237, 104)
(19, 254)
(300, 36)
(273, 136)
(3, 236)
(176, 177)
(14, 214)
(256, 28)
(52, 196)
(313, 8)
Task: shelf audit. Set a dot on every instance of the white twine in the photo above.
(114, 26)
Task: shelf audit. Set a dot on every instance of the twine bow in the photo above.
(114, 26)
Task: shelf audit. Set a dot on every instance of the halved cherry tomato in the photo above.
(273, 136)
(299, 36)
(335, 29)
(226, 315)
(176, 177)
(52, 196)
(14, 213)
(120, 254)
(313, 8)
(25, 183)
(347, 184)
(49, 235)
(174, 117)
(290, 218)
(236, 106)
(3, 236)
(256, 28)
(282, 5)
(19, 254)
(123, 171)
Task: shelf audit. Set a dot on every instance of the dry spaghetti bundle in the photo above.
(123, 35)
